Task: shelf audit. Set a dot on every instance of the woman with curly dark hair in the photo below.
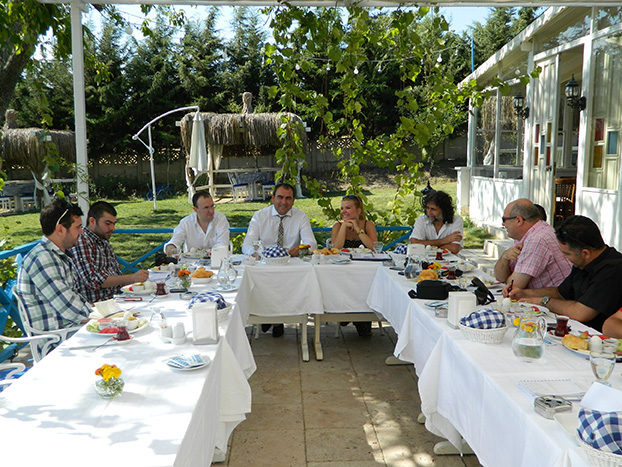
(439, 226)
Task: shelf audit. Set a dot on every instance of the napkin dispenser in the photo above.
(460, 304)
(219, 252)
(204, 323)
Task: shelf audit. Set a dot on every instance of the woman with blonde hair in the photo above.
(353, 230)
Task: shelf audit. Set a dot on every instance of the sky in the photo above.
(460, 18)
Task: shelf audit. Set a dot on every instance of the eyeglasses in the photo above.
(59, 219)
(505, 219)
(350, 197)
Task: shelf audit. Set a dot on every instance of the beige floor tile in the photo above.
(329, 380)
(392, 413)
(346, 444)
(268, 448)
(334, 409)
(413, 445)
(273, 417)
(388, 383)
(345, 464)
(275, 386)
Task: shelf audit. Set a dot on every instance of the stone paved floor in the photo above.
(348, 410)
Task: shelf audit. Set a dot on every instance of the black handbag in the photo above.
(484, 296)
(432, 290)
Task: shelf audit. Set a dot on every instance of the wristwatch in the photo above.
(544, 301)
(361, 231)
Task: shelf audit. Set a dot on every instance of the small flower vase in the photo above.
(185, 281)
(303, 252)
(109, 389)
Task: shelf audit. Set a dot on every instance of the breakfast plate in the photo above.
(128, 290)
(93, 328)
(586, 353)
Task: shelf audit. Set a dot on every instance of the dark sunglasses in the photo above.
(350, 197)
(505, 219)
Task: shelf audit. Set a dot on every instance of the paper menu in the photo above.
(563, 387)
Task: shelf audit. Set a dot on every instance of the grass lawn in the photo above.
(132, 214)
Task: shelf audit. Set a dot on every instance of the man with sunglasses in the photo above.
(591, 293)
(535, 260)
(97, 266)
(204, 228)
(46, 282)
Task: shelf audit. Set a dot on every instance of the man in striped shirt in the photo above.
(46, 280)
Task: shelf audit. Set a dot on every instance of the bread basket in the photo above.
(484, 336)
(599, 458)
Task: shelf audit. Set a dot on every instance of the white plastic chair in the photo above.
(240, 190)
(39, 352)
(49, 340)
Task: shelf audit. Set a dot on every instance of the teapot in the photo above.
(413, 268)
(528, 340)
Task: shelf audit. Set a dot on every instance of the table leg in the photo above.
(319, 355)
(304, 344)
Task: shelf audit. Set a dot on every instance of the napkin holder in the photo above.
(219, 252)
(460, 305)
(204, 323)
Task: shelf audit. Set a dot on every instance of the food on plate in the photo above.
(435, 266)
(202, 273)
(164, 268)
(427, 274)
(326, 251)
(198, 252)
(140, 287)
(574, 342)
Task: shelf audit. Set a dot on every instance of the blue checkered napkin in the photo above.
(484, 319)
(400, 250)
(209, 297)
(275, 252)
(601, 430)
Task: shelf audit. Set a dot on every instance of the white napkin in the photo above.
(105, 308)
(602, 398)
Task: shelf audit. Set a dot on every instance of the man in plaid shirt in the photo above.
(535, 260)
(46, 279)
(97, 266)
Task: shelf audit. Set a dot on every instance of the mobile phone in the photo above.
(179, 290)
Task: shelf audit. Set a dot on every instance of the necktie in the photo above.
(279, 240)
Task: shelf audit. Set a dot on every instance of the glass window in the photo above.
(612, 142)
(606, 17)
(570, 26)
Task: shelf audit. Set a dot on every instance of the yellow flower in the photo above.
(108, 371)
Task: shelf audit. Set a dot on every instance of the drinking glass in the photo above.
(602, 366)
(258, 247)
(378, 247)
(329, 243)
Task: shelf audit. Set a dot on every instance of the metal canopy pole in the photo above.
(150, 145)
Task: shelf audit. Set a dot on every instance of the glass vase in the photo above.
(109, 389)
(185, 281)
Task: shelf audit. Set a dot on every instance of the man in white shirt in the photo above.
(439, 226)
(293, 224)
(204, 228)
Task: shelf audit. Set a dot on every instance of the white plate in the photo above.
(201, 280)
(142, 324)
(126, 289)
(569, 423)
(339, 260)
(225, 288)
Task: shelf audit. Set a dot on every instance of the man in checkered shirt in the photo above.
(98, 269)
(46, 280)
(535, 260)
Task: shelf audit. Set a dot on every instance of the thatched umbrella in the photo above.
(245, 130)
(29, 147)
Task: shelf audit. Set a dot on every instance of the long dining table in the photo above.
(165, 417)
(470, 390)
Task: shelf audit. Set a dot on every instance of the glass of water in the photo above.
(378, 247)
(602, 366)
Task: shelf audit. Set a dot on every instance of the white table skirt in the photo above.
(164, 417)
(344, 286)
(470, 390)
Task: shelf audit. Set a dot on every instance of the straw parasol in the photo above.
(29, 147)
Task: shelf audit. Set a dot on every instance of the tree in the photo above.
(201, 63)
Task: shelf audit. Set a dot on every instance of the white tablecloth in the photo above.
(165, 417)
(471, 390)
(344, 286)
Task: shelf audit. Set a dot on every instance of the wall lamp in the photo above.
(519, 106)
(572, 95)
